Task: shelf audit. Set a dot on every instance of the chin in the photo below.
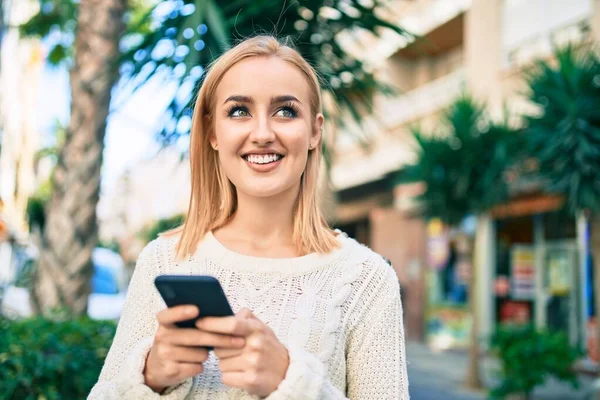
(263, 192)
(264, 189)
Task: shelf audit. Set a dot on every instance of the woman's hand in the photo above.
(178, 353)
(260, 365)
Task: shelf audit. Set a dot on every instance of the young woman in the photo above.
(318, 316)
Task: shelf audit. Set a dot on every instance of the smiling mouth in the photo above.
(262, 159)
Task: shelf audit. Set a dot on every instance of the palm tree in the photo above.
(171, 40)
(463, 168)
(175, 40)
(70, 234)
(564, 135)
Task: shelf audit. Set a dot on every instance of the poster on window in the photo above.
(522, 273)
(515, 312)
(559, 268)
(438, 248)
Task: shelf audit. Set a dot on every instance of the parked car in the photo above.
(108, 284)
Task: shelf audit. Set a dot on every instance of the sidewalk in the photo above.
(434, 376)
(441, 376)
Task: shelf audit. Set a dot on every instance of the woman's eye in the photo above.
(286, 112)
(239, 112)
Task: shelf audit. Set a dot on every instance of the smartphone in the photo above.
(205, 292)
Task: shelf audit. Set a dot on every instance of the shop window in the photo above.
(559, 225)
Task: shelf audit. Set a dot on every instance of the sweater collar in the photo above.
(211, 248)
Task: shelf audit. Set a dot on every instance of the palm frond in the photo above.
(565, 135)
(463, 166)
(178, 39)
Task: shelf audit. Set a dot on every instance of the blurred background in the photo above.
(462, 143)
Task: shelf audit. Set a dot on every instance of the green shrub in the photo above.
(44, 359)
(150, 232)
(529, 356)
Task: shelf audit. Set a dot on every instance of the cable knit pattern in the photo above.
(334, 318)
(338, 314)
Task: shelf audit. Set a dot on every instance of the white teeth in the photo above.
(263, 159)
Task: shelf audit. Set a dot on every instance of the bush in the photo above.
(150, 232)
(44, 359)
(529, 356)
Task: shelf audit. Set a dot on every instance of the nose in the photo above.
(262, 134)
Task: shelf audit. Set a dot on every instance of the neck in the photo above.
(265, 219)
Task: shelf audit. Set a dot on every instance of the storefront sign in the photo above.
(522, 272)
(515, 312)
(528, 206)
(559, 271)
(438, 247)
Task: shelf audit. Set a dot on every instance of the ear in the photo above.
(213, 138)
(213, 141)
(317, 132)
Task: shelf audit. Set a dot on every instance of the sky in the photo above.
(131, 125)
(130, 129)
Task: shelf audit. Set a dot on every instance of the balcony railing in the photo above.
(423, 101)
(543, 45)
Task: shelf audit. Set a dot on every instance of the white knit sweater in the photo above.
(339, 315)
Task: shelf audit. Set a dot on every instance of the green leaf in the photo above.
(565, 137)
(529, 356)
(41, 358)
(216, 21)
(243, 18)
(57, 55)
(464, 163)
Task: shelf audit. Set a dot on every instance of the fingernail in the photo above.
(190, 311)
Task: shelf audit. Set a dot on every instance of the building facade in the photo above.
(20, 70)
(22, 62)
(481, 47)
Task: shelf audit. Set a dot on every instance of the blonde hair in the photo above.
(213, 199)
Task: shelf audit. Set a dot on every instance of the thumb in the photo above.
(246, 313)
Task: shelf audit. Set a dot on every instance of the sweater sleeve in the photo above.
(375, 356)
(122, 374)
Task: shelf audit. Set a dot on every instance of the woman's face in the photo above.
(263, 126)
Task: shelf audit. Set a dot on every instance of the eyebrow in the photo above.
(274, 100)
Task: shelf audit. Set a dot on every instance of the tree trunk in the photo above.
(64, 271)
(465, 245)
(1, 41)
(595, 251)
